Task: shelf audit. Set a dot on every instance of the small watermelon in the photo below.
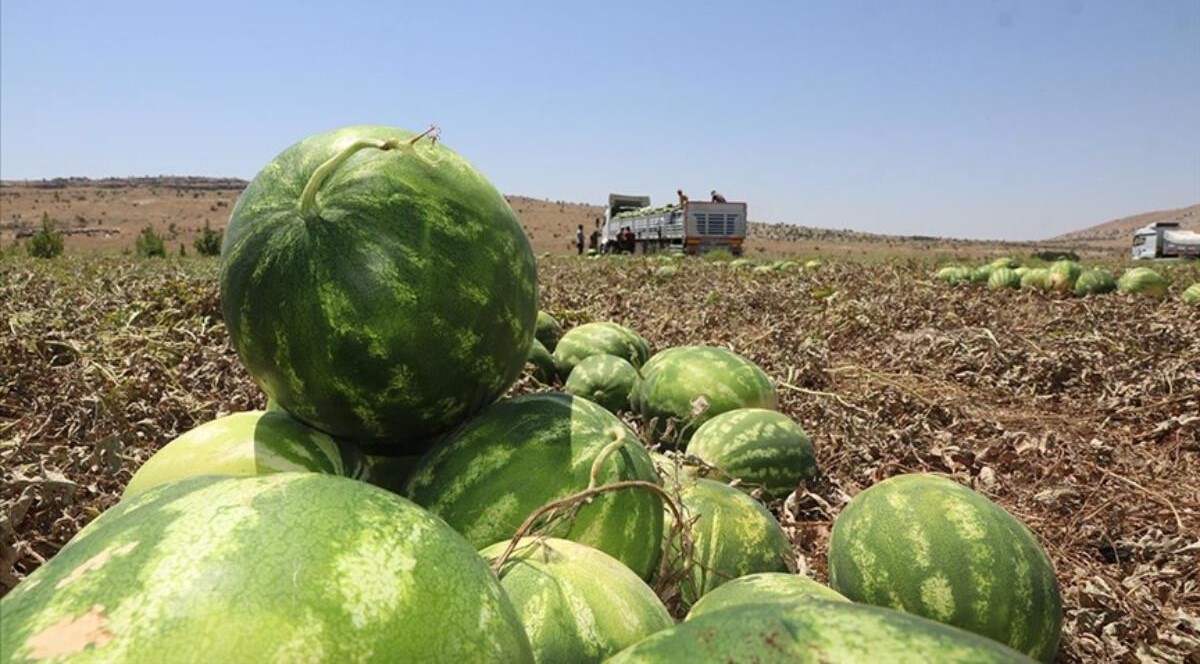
(380, 290)
(604, 379)
(693, 384)
(280, 568)
(1063, 275)
(733, 535)
(544, 369)
(242, 445)
(815, 632)
(762, 448)
(930, 546)
(547, 330)
(764, 588)
(602, 338)
(1095, 282)
(1003, 277)
(520, 454)
(578, 604)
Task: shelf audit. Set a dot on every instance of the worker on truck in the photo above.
(716, 197)
(683, 199)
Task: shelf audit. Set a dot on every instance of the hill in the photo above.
(1121, 230)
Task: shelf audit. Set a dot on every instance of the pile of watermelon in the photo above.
(390, 505)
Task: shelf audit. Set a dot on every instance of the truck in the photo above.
(692, 228)
(1163, 239)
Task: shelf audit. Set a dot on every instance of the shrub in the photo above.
(719, 255)
(46, 243)
(209, 242)
(150, 244)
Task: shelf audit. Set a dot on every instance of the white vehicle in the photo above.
(1164, 240)
(693, 228)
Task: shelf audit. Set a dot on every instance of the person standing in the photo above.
(579, 239)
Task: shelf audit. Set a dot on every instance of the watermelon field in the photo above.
(1078, 416)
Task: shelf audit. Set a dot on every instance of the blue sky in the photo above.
(970, 118)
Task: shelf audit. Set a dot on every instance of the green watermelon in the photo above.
(520, 454)
(578, 604)
(764, 588)
(1003, 277)
(1142, 281)
(930, 546)
(242, 444)
(981, 274)
(734, 535)
(666, 272)
(1094, 282)
(762, 448)
(1063, 275)
(279, 568)
(602, 338)
(389, 473)
(380, 291)
(1191, 295)
(954, 274)
(604, 379)
(815, 632)
(1037, 278)
(547, 330)
(544, 369)
(674, 380)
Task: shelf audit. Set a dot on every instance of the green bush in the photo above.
(150, 244)
(46, 243)
(719, 255)
(209, 242)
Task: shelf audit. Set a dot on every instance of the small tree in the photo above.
(209, 242)
(46, 243)
(150, 243)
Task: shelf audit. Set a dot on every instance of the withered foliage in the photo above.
(1079, 416)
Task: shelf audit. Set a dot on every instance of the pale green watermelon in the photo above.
(287, 567)
(930, 546)
(815, 632)
(604, 379)
(764, 449)
(578, 604)
(241, 445)
(1063, 275)
(764, 588)
(693, 384)
(1003, 277)
(520, 454)
(602, 338)
(379, 290)
(1142, 281)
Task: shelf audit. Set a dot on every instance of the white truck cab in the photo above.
(1163, 239)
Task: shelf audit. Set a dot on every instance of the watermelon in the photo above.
(813, 264)
(815, 632)
(379, 290)
(242, 444)
(1003, 277)
(666, 272)
(930, 546)
(1037, 278)
(764, 588)
(1007, 263)
(1142, 281)
(602, 338)
(389, 473)
(734, 535)
(547, 330)
(1094, 282)
(1063, 275)
(981, 274)
(578, 604)
(522, 453)
(762, 448)
(1191, 295)
(279, 568)
(954, 274)
(604, 379)
(675, 380)
(544, 369)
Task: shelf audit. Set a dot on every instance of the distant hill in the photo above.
(1121, 230)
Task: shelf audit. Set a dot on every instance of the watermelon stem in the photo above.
(308, 198)
(603, 456)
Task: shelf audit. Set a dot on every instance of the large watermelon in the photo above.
(733, 535)
(675, 379)
(764, 588)
(930, 546)
(762, 448)
(381, 295)
(578, 604)
(602, 338)
(280, 568)
(1094, 282)
(242, 444)
(816, 632)
(523, 453)
(1142, 281)
(607, 380)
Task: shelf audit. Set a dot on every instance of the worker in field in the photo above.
(683, 199)
(579, 239)
(717, 197)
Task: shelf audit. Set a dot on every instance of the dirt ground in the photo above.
(1079, 416)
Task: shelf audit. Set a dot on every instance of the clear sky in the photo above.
(971, 118)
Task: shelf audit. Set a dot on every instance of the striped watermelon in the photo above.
(520, 454)
(381, 295)
(674, 380)
(243, 444)
(603, 338)
(1095, 282)
(604, 379)
(578, 604)
(1063, 275)
(764, 588)
(547, 330)
(733, 534)
(281, 568)
(1037, 278)
(815, 632)
(544, 369)
(1003, 277)
(762, 448)
(930, 546)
